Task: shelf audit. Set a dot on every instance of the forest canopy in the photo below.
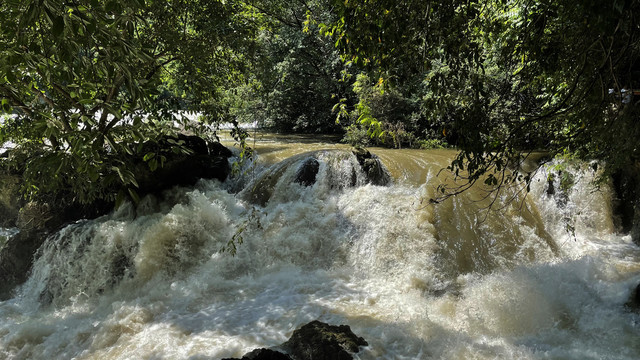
(86, 83)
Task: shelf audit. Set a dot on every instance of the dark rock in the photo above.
(626, 184)
(183, 170)
(375, 172)
(119, 266)
(551, 188)
(16, 258)
(37, 220)
(263, 354)
(217, 149)
(188, 159)
(634, 299)
(320, 341)
(194, 144)
(306, 174)
(313, 341)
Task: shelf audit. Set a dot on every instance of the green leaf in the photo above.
(148, 156)
(153, 164)
(134, 195)
(5, 106)
(58, 26)
(120, 175)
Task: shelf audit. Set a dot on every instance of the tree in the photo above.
(507, 77)
(296, 74)
(86, 83)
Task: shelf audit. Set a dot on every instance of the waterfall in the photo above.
(542, 277)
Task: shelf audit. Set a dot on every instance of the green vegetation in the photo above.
(92, 85)
(506, 77)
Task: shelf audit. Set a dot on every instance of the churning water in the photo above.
(542, 277)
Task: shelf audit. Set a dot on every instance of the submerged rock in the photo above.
(313, 341)
(307, 172)
(335, 170)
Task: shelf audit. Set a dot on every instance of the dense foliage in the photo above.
(295, 75)
(92, 85)
(504, 77)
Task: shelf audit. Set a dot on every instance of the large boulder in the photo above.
(626, 183)
(36, 220)
(320, 341)
(313, 341)
(202, 160)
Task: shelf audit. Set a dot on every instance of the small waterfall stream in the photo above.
(544, 277)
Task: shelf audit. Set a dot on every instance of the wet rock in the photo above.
(16, 259)
(119, 266)
(263, 354)
(313, 341)
(626, 184)
(37, 220)
(320, 341)
(634, 299)
(551, 188)
(372, 167)
(203, 160)
(306, 174)
(217, 149)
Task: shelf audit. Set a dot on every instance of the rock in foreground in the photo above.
(313, 341)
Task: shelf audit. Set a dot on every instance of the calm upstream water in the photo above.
(542, 277)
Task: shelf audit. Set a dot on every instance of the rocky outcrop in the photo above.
(313, 341)
(38, 219)
(627, 187)
(306, 174)
(372, 167)
(203, 160)
(634, 299)
(340, 170)
(320, 341)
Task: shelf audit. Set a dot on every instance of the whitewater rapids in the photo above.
(544, 277)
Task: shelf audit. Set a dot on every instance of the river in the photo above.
(543, 277)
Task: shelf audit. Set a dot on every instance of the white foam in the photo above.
(415, 281)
